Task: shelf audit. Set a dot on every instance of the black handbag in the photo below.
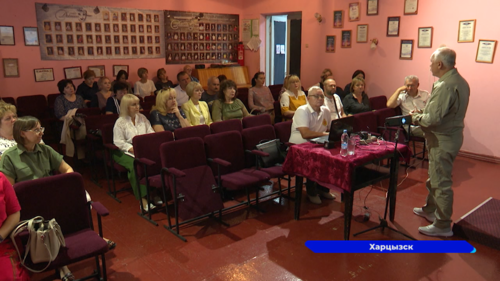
(272, 147)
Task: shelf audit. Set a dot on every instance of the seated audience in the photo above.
(144, 87)
(324, 74)
(410, 98)
(227, 106)
(260, 98)
(101, 97)
(166, 115)
(210, 95)
(67, 100)
(113, 103)
(163, 82)
(197, 111)
(222, 78)
(8, 116)
(189, 70)
(332, 100)
(131, 123)
(292, 98)
(357, 101)
(358, 73)
(183, 78)
(285, 85)
(89, 87)
(122, 76)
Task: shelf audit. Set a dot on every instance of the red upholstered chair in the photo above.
(89, 111)
(63, 197)
(51, 99)
(228, 162)
(147, 163)
(35, 105)
(147, 105)
(150, 99)
(366, 121)
(191, 182)
(243, 96)
(275, 90)
(256, 120)
(226, 125)
(9, 100)
(109, 164)
(378, 102)
(283, 132)
(277, 112)
(199, 131)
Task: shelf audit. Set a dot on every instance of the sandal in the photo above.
(68, 277)
(111, 244)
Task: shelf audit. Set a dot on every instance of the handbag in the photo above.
(45, 240)
(272, 147)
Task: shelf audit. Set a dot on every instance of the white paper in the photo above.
(466, 31)
(44, 75)
(372, 7)
(11, 68)
(362, 33)
(353, 11)
(424, 37)
(411, 6)
(73, 73)
(485, 51)
(406, 50)
(393, 27)
(254, 43)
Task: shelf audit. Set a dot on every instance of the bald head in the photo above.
(330, 87)
(213, 85)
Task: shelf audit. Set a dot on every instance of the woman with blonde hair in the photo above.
(166, 115)
(8, 116)
(196, 111)
(292, 98)
(100, 98)
(131, 123)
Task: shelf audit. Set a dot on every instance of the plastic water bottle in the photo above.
(351, 145)
(344, 142)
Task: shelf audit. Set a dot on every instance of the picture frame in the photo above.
(406, 49)
(372, 7)
(7, 35)
(31, 36)
(486, 50)
(44, 74)
(362, 33)
(346, 39)
(466, 31)
(99, 70)
(393, 26)
(338, 19)
(117, 68)
(411, 7)
(425, 37)
(10, 68)
(330, 44)
(354, 11)
(74, 72)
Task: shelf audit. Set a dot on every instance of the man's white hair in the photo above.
(446, 55)
(313, 90)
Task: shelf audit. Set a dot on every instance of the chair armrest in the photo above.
(111, 146)
(145, 161)
(220, 162)
(258, 152)
(174, 171)
(99, 208)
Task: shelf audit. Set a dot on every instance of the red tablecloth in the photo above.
(315, 162)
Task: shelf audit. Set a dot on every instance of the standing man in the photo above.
(189, 70)
(332, 100)
(183, 79)
(442, 121)
(210, 95)
(409, 98)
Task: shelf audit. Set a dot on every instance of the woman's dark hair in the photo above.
(62, 84)
(226, 85)
(119, 86)
(357, 72)
(24, 123)
(254, 82)
(88, 73)
(222, 78)
(120, 74)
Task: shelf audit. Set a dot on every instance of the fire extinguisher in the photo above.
(241, 54)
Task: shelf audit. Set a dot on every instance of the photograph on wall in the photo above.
(330, 44)
(338, 19)
(70, 32)
(194, 37)
(346, 38)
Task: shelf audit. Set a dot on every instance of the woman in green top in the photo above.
(227, 106)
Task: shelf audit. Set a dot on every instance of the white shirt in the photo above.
(202, 118)
(182, 96)
(144, 89)
(6, 144)
(408, 103)
(331, 106)
(305, 116)
(124, 130)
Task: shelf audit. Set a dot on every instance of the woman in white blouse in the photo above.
(130, 124)
(196, 111)
(144, 87)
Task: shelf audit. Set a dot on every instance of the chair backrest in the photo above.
(252, 137)
(226, 146)
(146, 105)
(191, 132)
(366, 121)
(51, 99)
(61, 197)
(91, 111)
(173, 154)
(283, 130)
(9, 100)
(256, 120)
(35, 105)
(277, 112)
(378, 102)
(94, 122)
(382, 114)
(150, 99)
(148, 146)
(275, 90)
(243, 96)
(107, 133)
(226, 125)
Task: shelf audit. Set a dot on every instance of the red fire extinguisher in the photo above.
(241, 54)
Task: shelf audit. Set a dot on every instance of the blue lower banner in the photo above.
(368, 246)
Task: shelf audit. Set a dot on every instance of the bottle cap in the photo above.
(345, 130)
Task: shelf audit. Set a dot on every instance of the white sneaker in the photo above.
(314, 199)
(431, 230)
(157, 200)
(146, 209)
(430, 217)
(326, 195)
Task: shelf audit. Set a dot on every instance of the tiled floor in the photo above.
(270, 246)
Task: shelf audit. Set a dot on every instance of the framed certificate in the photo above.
(338, 19)
(330, 44)
(362, 33)
(7, 35)
(31, 36)
(425, 37)
(393, 26)
(411, 7)
(346, 38)
(10, 68)
(354, 11)
(98, 70)
(466, 31)
(44, 74)
(371, 7)
(486, 50)
(117, 68)
(406, 49)
(73, 72)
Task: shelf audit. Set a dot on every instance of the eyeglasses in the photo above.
(37, 130)
(318, 96)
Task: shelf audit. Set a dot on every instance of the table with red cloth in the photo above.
(347, 174)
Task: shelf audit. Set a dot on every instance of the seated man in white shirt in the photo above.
(182, 97)
(310, 121)
(410, 99)
(332, 100)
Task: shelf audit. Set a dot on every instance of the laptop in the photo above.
(336, 130)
